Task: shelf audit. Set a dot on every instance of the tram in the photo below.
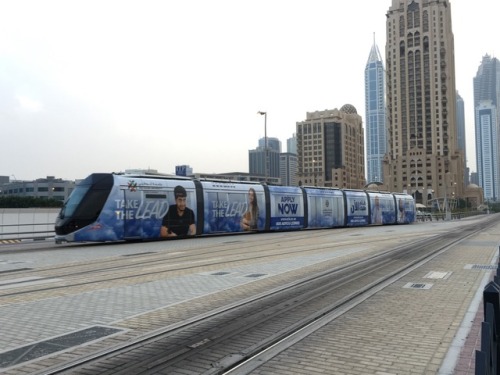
(109, 207)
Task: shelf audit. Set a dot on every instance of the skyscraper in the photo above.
(257, 158)
(288, 169)
(272, 144)
(288, 163)
(487, 121)
(461, 135)
(423, 157)
(291, 144)
(487, 146)
(487, 81)
(330, 149)
(376, 132)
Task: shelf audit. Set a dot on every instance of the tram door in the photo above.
(132, 226)
(224, 211)
(143, 213)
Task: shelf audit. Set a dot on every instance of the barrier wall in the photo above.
(27, 223)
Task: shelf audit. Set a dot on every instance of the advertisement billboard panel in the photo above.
(325, 208)
(357, 208)
(287, 207)
(233, 207)
(382, 208)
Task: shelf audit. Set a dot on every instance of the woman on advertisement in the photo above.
(251, 216)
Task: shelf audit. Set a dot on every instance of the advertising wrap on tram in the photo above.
(406, 209)
(233, 207)
(382, 208)
(287, 207)
(325, 208)
(128, 207)
(357, 208)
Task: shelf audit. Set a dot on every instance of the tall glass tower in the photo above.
(487, 144)
(257, 158)
(461, 136)
(487, 122)
(376, 132)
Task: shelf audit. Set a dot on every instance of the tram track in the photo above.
(240, 335)
(158, 263)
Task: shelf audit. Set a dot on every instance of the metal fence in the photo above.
(27, 223)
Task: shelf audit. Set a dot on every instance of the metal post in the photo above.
(446, 208)
(266, 166)
(496, 277)
(265, 141)
(314, 171)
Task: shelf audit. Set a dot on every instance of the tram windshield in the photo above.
(74, 200)
(88, 198)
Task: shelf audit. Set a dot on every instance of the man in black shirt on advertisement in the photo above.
(179, 220)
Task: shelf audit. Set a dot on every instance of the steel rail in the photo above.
(231, 362)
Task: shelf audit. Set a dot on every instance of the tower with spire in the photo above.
(376, 131)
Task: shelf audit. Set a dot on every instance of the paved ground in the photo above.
(405, 330)
(429, 329)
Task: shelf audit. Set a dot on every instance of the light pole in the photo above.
(265, 141)
(446, 210)
(446, 203)
(314, 171)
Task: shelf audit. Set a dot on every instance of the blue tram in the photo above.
(119, 207)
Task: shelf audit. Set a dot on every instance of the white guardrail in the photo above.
(27, 223)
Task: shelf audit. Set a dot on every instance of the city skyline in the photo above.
(109, 86)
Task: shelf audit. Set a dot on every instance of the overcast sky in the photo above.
(104, 86)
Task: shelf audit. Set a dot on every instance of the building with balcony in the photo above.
(330, 149)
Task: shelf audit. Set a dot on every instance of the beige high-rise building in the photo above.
(330, 149)
(423, 157)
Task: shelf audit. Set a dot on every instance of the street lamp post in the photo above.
(446, 208)
(265, 142)
(446, 203)
(314, 171)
